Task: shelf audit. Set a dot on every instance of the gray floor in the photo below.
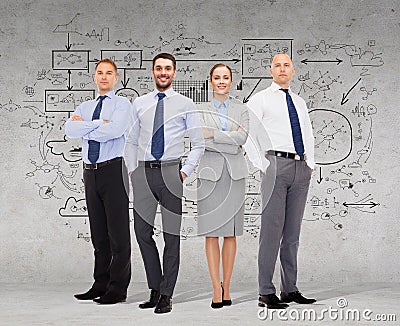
(25, 304)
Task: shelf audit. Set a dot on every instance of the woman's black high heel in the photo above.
(225, 302)
(217, 305)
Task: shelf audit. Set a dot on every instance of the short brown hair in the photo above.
(107, 60)
(220, 65)
(165, 55)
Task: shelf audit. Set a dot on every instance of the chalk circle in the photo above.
(130, 93)
(333, 136)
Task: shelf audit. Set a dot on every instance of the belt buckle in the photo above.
(154, 165)
(90, 166)
(297, 157)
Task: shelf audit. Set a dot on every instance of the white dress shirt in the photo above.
(270, 127)
(180, 117)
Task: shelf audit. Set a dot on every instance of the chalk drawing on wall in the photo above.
(341, 108)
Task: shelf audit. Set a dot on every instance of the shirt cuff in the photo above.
(187, 169)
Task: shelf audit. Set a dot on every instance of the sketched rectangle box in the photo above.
(257, 54)
(70, 60)
(124, 59)
(63, 100)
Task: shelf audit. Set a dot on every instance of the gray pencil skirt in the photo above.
(220, 206)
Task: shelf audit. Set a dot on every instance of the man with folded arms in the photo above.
(101, 124)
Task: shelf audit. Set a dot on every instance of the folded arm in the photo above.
(75, 127)
(227, 141)
(234, 137)
(113, 128)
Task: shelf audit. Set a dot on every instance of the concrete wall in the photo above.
(345, 54)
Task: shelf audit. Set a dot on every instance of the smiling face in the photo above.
(105, 77)
(282, 70)
(221, 80)
(163, 73)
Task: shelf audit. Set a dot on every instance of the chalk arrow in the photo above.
(371, 204)
(234, 60)
(305, 61)
(246, 99)
(125, 81)
(320, 175)
(68, 46)
(69, 87)
(344, 96)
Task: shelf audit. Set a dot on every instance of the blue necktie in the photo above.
(94, 146)
(157, 141)
(295, 124)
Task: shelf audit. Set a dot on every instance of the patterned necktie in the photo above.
(94, 146)
(295, 124)
(157, 141)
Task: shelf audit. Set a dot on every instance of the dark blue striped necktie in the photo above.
(157, 141)
(295, 124)
(94, 146)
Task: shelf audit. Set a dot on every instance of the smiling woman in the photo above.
(221, 185)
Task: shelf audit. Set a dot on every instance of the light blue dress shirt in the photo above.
(222, 110)
(111, 135)
(180, 119)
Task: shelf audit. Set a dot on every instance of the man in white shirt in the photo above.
(282, 147)
(153, 152)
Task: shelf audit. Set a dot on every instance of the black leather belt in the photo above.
(288, 155)
(158, 164)
(101, 164)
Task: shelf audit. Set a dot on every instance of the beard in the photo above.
(163, 86)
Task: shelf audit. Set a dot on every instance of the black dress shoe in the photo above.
(154, 297)
(110, 298)
(164, 305)
(296, 297)
(89, 295)
(271, 301)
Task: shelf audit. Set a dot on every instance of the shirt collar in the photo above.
(109, 94)
(275, 87)
(221, 105)
(169, 92)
